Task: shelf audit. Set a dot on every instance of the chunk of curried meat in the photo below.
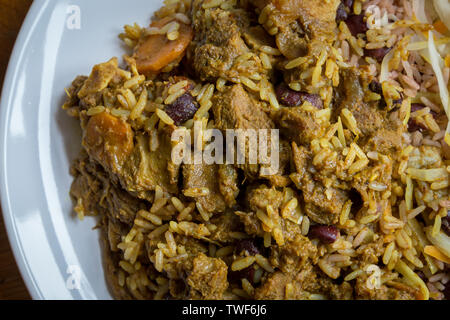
(228, 183)
(392, 291)
(321, 207)
(95, 194)
(208, 278)
(260, 197)
(100, 77)
(226, 223)
(302, 24)
(234, 108)
(145, 169)
(205, 176)
(299, 125)
(381, 131)
(217, 42)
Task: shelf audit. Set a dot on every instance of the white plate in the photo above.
(38, 141)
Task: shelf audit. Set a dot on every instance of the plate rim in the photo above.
(9, 84)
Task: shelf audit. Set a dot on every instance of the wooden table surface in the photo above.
(12, 13)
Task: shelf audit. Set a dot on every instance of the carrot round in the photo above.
(156, 51)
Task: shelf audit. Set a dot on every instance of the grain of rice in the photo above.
(128, 267)
(305, 225)
(264, 263)
(429, 175)
(388, 253)
(278, 236)
(369, 218)
(177, 204)
(265, 60)
(224, 251)
(349, 121)
(267, 239)
(358, 166)
(139, 106)
(158, 231)
(248, 288)
(270, 50)
(295, 63)
(249, 83)
(264, 219)
(212, 3)
(242, 263)
(436, 226)
(164, 117)
(95, 110)
(202, 112)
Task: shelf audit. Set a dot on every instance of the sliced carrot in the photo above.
(108, 139)
(440, 27)
(436, 253)
(156, 51)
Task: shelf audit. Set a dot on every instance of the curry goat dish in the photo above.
(358, 207)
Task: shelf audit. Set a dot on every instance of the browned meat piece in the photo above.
(299, 125)
(319, 207)
(304, 286)
(351, 95)
(258, 198)
(204, 176)
(252, 224)
(257, 37)
(146, 169)
(101, 76)
(281, 178)
(235, 109)
(226, 223)
(302, 24)
(95, 195)
(228, 183)
(392, 291)
(217, 42)
(380, 130)
(208, 278)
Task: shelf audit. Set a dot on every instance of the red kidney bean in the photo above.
(326, 234)
(356, 24)
(377, 54)
(182, 109)
(247, 245)
(292, 98)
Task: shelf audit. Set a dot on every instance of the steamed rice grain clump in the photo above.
(358, 208)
